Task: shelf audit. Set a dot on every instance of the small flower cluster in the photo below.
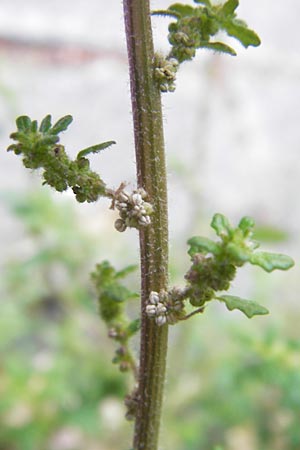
(166, 307)
(165, 73)
(134, 211)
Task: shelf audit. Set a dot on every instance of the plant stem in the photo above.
(151, 175)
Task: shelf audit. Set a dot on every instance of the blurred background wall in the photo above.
(232, 139)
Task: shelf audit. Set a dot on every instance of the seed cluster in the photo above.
(165, 73)
(134, 210)
(166, 307)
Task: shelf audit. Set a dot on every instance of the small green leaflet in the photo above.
(94, 149)
(248, 307)
(23, 123)
(221, 225)
(45, 124)
(271, 261)
(61, 125)
(218, 47)
(201, 244)
(229, 7)
(239, 30)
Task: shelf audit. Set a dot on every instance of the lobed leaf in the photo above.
(229, 7)
(239, 30)
(23, 123)
(61, 125)
(239, 253)
(218, 47)
(246, 224)
(34, 126)
(45, 124)
(221, 225)
(165, 12)
(248, 307)
(182, 10)
(94, 149)
(271, 261)
(199, 244)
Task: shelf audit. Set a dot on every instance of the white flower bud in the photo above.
(151, 310)
(160, 309)
(154, 298)
(160, 320)
(136, 199)
(144, 221)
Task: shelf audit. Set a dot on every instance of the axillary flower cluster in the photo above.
(166, 307)
(134, 210)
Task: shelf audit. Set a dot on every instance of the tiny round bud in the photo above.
(160, 309)
(151, 310)
(120, 225)
(154, 298)
(160, 320)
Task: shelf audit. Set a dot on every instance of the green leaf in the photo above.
(239, 30)
(221, 225)
(23, 123)
(238, 253)
(45, 124)
(61, 125)
(34, 126)
(271, 261)
(182, 10)
(218, 47)
(94, 149)
(201, 244)
(248, 307)
(165, 12)
(229, 7)
(246, 225)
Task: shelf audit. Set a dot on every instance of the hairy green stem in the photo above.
(151, 174)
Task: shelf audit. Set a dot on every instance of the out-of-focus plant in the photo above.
(53, 372)
(213, 263)
(247, 394)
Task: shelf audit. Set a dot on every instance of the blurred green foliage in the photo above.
(234, 386)
(54, 368)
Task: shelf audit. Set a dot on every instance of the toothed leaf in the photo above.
(271, 261)
(229, 7)
(45, 124)
(221, 225)
(201, 244)
(61, 125)
(23, 123)
(34, 126)
(94, 149)
(219, 47)
(182, 10)
(239, 30)
(248, 307)
(246, 225)
(165, 12)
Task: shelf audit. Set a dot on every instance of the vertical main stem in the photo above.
(151, 175)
